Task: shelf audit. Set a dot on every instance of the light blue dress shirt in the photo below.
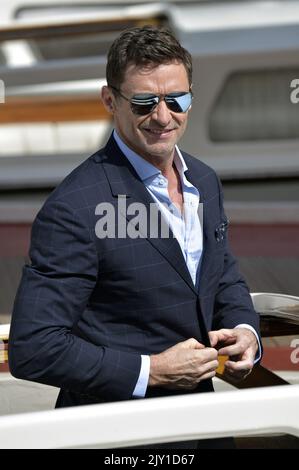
(186, 225)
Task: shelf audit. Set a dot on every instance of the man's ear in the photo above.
(107, 99)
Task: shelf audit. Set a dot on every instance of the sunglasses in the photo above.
(145, 103)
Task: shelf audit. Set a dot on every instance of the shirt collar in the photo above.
(143, 168)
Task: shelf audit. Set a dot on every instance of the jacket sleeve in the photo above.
(52, 295)
(233, 304)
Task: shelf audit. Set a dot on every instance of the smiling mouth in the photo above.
(159, 132)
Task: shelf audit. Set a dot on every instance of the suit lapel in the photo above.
(124, 181)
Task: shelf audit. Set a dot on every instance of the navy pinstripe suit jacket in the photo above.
(87, 308)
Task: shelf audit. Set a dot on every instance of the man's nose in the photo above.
(161, 114)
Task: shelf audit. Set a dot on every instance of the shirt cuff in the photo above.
(259, 352)
(142, 382)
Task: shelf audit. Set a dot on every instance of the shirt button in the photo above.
(161, 183)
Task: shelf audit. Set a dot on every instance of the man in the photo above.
(117, 317)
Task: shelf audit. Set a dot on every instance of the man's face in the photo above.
(154, 135)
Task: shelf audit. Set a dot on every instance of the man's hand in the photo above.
(183, 366)
(241, 345)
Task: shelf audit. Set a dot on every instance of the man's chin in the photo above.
(160, 150)
(160, 153)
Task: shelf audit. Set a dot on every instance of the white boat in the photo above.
(246, 58)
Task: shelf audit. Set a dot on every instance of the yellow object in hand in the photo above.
(220, 368)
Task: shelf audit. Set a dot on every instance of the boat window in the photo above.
(255, 106)
(73, 47)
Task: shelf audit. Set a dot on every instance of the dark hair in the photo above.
(144, 46)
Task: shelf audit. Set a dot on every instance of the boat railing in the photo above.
(257, 412)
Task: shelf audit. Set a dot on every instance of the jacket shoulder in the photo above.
(85, 179)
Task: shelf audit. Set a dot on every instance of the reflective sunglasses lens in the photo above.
(179, 104)
(144, 104)
(142, 109)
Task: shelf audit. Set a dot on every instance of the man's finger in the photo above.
(232, 350)
(191, 343)
(207, 355)
(244, 365)
(213, 338)
(222, 335)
